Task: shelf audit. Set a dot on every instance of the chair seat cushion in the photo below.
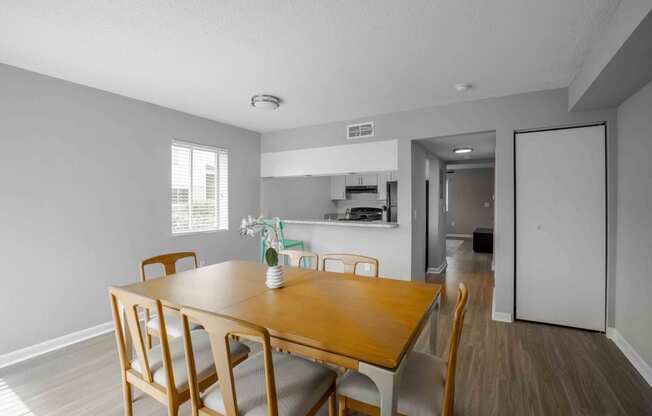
(299, 385)
(172, 325)
(420, 389)
(203, 359)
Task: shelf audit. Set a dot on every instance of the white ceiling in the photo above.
(483, 145)
(328, 60)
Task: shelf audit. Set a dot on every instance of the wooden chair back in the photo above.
(351, 262)
(297, 258)
(132, 303)
(220, 329)
(456, 334)
(169, 262)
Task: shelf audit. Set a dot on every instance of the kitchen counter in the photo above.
(337, 223)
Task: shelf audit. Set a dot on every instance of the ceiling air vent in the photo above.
(360, 131)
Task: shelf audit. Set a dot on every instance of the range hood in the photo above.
(362, 189)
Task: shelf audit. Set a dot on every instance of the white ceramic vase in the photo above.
(275, 278)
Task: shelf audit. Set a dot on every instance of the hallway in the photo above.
(531, 369)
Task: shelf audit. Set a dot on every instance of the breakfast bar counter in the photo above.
(345, 223)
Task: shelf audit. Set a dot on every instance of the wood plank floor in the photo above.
(504, 369)
(531, 369)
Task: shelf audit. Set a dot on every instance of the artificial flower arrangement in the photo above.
(268, 230)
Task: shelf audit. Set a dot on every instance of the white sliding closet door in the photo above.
(561, 226)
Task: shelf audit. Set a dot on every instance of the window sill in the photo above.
(187, 233)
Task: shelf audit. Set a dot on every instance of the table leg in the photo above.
(387, 380)
(434, 322)
(387, 383)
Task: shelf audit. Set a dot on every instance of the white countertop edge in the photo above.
(336, 223)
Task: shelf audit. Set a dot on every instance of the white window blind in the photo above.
(200, 188)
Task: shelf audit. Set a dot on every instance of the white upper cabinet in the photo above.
(338, 187)
(339, 183)
(353, 180)
(370, 179)
(378, 156)
(365, 179)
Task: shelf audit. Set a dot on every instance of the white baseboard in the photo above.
(637, 361)
(438, 269)
(54, 344)
(459, 235)
(502, 317)
(499, 316)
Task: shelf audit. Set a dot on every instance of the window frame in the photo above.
(217, 150)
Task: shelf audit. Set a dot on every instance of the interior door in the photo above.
(561, 226)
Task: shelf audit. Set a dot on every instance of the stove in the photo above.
(364, 214)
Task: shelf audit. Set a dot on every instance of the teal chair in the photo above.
(285, 244)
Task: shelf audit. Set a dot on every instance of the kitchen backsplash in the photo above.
(359, 200)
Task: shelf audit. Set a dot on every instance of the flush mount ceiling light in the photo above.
(463, 87)
(461, 150)
(265, 102)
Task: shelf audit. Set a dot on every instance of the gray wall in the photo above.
(504, 114)
(85, 197)
(419, 164)
(634, 211)
(426, 166)
(468, 191)
(437, 214)
(296, 198)
(438, 250)
(609, 41)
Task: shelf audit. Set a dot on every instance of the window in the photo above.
(199, 189)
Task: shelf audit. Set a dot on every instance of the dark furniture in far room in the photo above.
(483, 240)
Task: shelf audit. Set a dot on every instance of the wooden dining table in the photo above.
(360, 323)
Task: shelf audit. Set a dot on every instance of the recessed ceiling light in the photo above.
(265, 102)
(461, 150)
(463, 87)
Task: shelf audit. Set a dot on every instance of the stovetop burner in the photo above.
(364, 214)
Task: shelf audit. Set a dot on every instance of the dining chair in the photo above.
(267, 383)
(351, 262)
(169, 263)
(299, 258)
(284, 243)
(160, 372)
(427, 384)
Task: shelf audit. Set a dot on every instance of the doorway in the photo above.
(459, 194)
